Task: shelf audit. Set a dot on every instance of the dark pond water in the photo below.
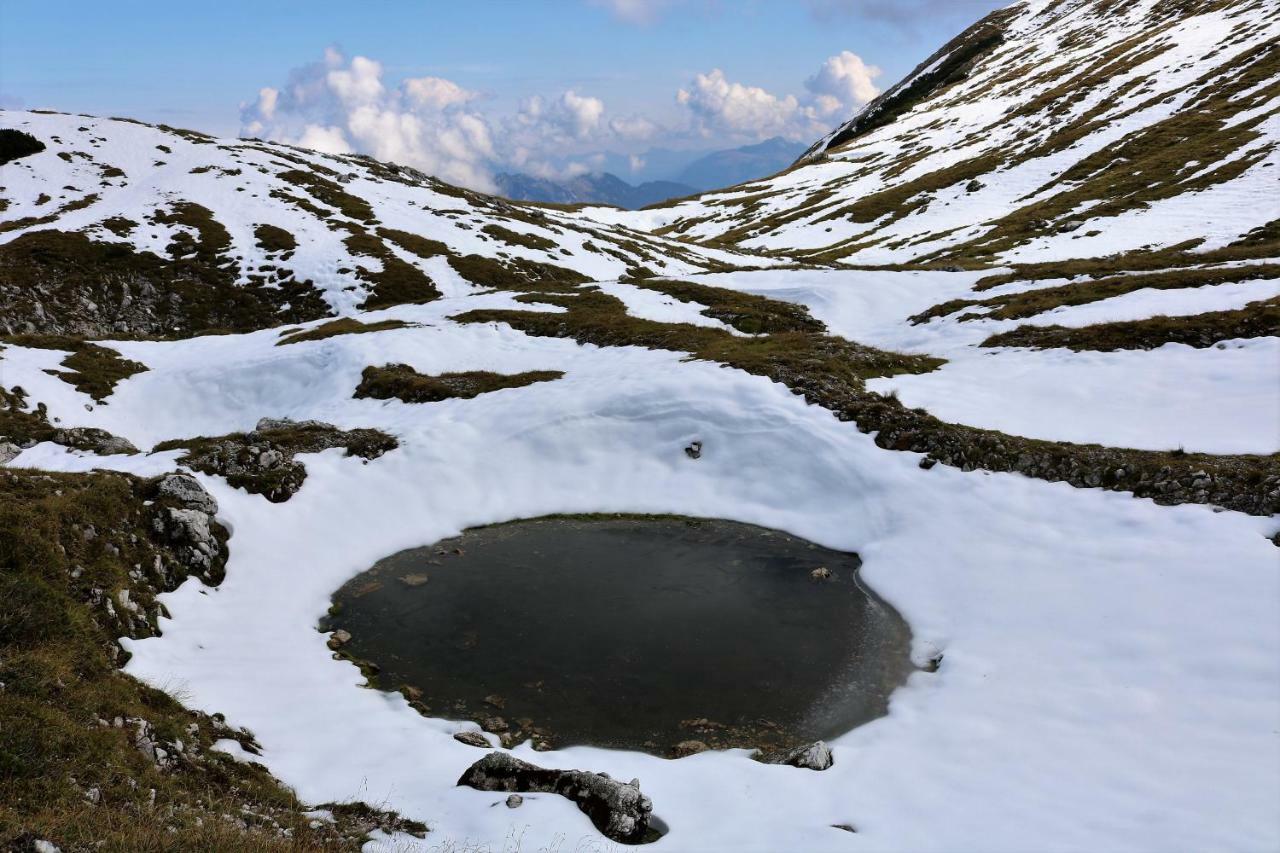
(636, 633)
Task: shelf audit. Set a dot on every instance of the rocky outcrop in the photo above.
(261, 462)
(182, 515)
(617, 809)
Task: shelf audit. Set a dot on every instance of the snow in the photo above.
(1222, 399)
(1111, 675)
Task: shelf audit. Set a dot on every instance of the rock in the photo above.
(496, 701)
(414, 579)
(813, 756)
(473, 739)
(688, 747)
(617, 809)
(278, 424)
(694, 450)
(8, 452)
(339, 638)
(928, 462)
(186, 490)
(94, 440)
(515, 801)
(494, 724)
(822, 573)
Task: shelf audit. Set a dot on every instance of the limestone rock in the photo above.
(813, 756)
(617, 809)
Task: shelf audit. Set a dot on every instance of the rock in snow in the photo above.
(813, 756)
(617, 809)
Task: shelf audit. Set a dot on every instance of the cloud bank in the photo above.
(342, 105)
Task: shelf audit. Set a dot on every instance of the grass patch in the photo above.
(745, 312)
(397, 283)
(55, 282)
(1028, 303)
(344, 326)
(515, 238)
(81, 562)
(402, 382)
(270, 238)
(92, 368)
(1255, 320)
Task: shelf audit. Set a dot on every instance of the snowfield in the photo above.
(1111, 670)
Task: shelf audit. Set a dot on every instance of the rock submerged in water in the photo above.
(617, 809)
(813, 756)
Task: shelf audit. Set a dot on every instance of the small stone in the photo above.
(928, 462)
(688, 747)
(822, 573)
(494, 724)
(414, 579)
(515, 801)
(93, 795)
(472, 739)
(694, 450)
(339, 639)
(495, 700)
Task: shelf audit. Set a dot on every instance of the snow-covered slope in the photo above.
(337, 232)
(1052, 129)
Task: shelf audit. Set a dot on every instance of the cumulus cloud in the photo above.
(843, 81)
(718, 105)
(343, 105)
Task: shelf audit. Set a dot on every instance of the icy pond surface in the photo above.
(638, 633)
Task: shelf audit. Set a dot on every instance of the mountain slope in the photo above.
(736, 165)
(602, 188)
(115, 227)
(1053, 129)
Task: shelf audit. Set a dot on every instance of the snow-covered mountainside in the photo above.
(1012, 334)
(267, 234)
(1052, 129)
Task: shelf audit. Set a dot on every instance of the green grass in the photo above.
(402, 382)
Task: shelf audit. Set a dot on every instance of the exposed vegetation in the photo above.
(1255, 320)
(92, 368)
(402, 382)
(1028, 303)
(343, 326)
(743, 311)
(398, 282)
(91, 759)
(271, 238)
(17, 143)
(514, 238)
(262, 462)
(516, 274)
(55, 282)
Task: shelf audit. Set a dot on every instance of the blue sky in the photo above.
(194, 64)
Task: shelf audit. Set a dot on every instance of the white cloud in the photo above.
(843, 82)
(718, 105)
(436, 92)
(340, 105)
(636, 11)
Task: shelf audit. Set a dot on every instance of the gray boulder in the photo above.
(813, 756)
(617, 809)
(186, 490)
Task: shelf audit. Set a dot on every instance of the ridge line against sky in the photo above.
(553, 89)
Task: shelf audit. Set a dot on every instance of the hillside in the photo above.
(1051, 130)
(239, 234)
(1008, 338)
(603, 188)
